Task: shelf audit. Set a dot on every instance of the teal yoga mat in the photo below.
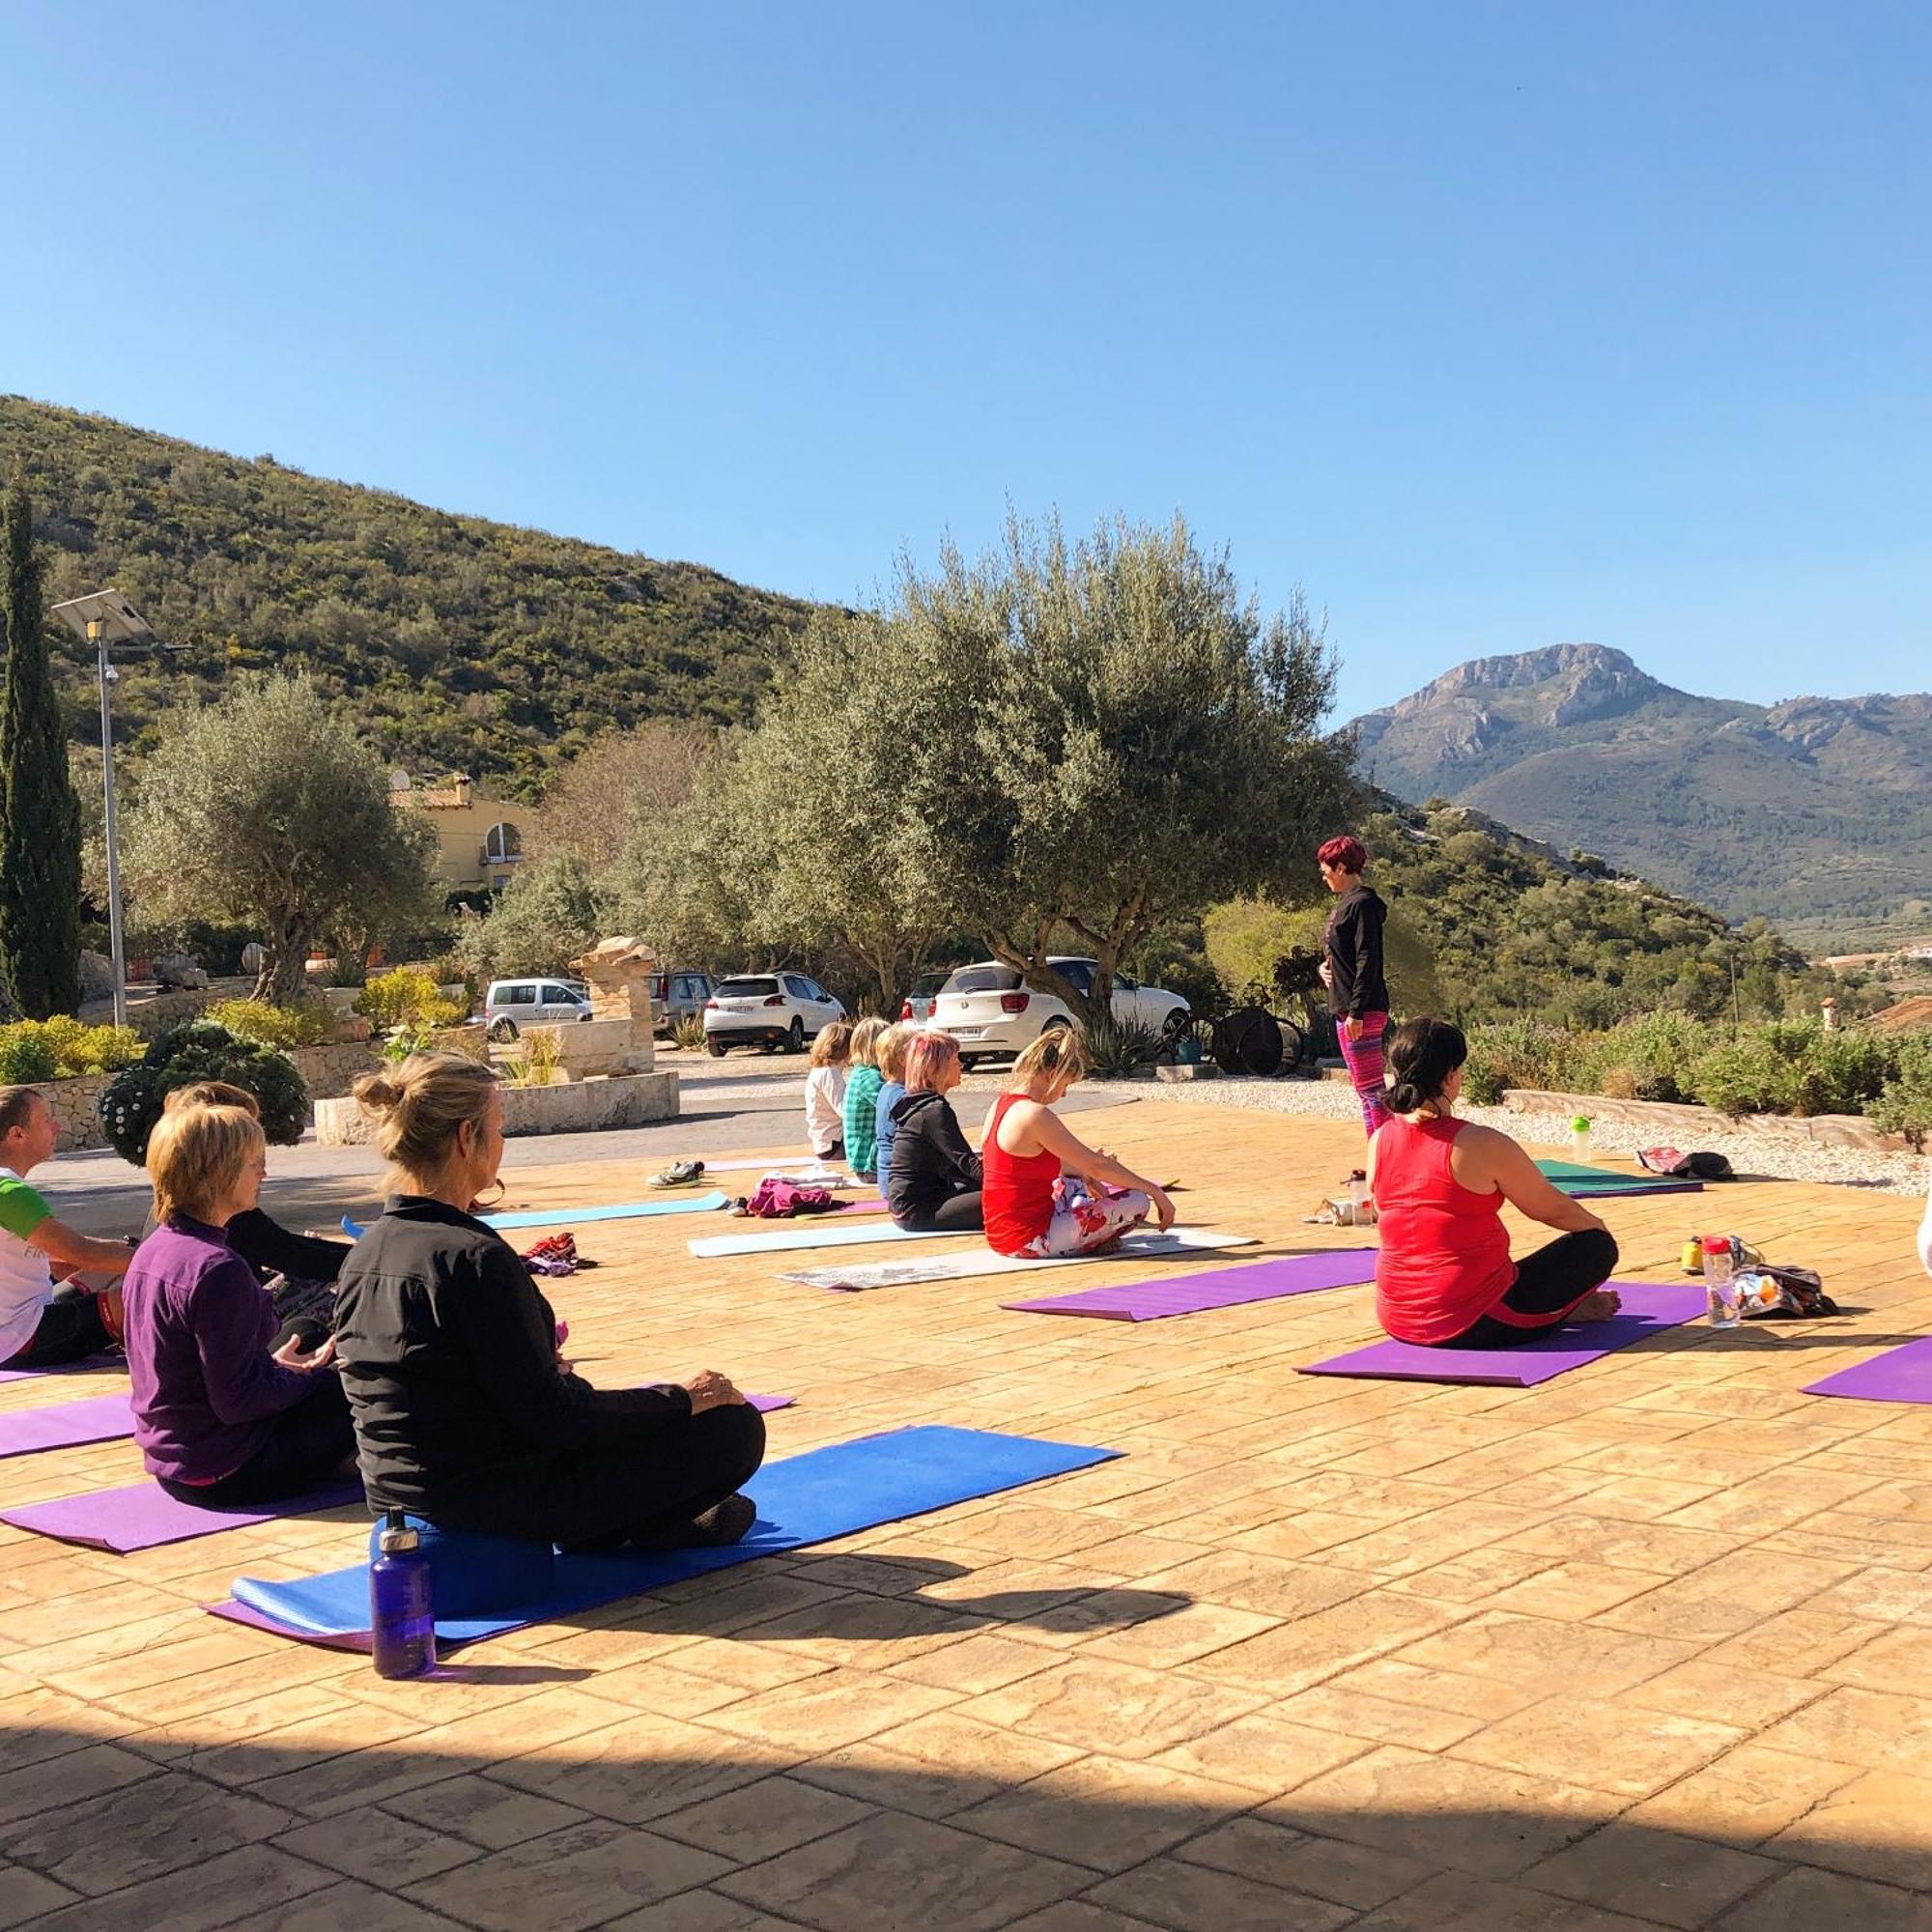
(803, 1499)
(1595, 1183)
(577, 1217)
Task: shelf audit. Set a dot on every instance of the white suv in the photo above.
(989, 1009)
(767, 1010)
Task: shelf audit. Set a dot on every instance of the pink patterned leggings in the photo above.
(1363, 1058)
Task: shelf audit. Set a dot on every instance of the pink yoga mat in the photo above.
(102, 1418)
(1900, 1374)
(1219, 1288)
(143, 1516)
(1649, 1308)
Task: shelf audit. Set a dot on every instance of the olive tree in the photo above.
(1099, 737)
(274, 810)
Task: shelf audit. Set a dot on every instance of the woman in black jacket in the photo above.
(935, 1177)
(1352, 969)
(464, 1413)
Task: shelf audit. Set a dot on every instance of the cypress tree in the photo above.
(39, 816)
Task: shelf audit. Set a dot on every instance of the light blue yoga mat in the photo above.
(803, 1499)
(576, 1217)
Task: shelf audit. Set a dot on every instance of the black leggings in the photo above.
(70, 1330)
(1549, 1285)
(604, 1498)
(962, 1213)
(306, 1445)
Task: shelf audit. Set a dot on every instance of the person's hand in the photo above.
(1352, 1030)
(1325, 972)
(709, 1389)
(1163, 1208)
(291, 1356)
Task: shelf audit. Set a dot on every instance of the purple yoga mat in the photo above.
(102, 1418)
(144, 1516)
(1900, 1374)
(1219, 1288)
(1649, 1307)
(63, 1368)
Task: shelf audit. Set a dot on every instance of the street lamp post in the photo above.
(105, 618)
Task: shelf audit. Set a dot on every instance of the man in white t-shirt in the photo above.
(40, 1326)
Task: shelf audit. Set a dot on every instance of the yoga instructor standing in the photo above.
(1352, 969)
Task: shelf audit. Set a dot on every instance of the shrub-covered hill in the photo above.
(463, 644)
(1513, 928)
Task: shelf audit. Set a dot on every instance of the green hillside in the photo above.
(463, 644)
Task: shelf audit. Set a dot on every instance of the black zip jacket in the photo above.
(448, 1354)
(932, 1161)
(1354, 944)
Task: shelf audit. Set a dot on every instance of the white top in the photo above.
(1925, 1236)
(26, 1279)
(825, 1108)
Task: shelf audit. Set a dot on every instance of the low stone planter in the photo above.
(331, 1069)
(1679, 1123)
(566, 1107)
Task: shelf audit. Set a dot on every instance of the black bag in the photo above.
(1685, 1166)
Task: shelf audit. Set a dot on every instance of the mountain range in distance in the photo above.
(1815, 812)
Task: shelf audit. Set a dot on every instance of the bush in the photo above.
(1647, 1059)
(406, 997)
(1794, 1067)
(62, 1048)
(199, 1051)
(1518, 1053)
(301, 1023)
(26, 1055)
(689, 1031)
(1905, 1104)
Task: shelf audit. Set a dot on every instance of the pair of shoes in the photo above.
(556, 1255)
(679, 1174)
(741, 1207)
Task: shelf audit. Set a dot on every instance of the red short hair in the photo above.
(1346, 854)
(926, 1057)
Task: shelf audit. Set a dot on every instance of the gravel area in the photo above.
(1750, 1154)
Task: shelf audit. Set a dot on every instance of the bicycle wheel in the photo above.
(1294, 1046)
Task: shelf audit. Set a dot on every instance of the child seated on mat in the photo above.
(41, 1326)
(226, 1409)
(892, 1058)
(935, 1177)
(825, 1090)
(1444, 1277)
(464, 1413)
(863, 1081)
(1045, 1192)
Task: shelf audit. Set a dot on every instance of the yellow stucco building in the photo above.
(479, 842)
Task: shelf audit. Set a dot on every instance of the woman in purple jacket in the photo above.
(226, 1409)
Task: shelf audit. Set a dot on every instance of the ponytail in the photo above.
(1422, 1055)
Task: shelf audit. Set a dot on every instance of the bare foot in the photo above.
(1597, 1307)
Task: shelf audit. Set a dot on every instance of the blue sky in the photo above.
(1493, 326)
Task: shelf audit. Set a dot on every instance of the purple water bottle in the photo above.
(402, 1624)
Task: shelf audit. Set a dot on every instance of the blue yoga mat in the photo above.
(573, 1217)
(803, 1499)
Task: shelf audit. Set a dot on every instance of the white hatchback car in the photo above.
(990, 1011)
(767, 1010)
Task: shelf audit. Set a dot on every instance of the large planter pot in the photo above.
(566, 1107)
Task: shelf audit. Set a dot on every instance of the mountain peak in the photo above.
(1599, 666)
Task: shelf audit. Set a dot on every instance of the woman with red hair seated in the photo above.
(1352, 969)
(935, 1177)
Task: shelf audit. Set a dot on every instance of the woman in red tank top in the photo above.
(1444, 1277)
(1043, 1191)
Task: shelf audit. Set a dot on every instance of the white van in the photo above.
(512, 1005)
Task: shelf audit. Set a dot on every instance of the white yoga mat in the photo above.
(910, 1272)
(854, 1233)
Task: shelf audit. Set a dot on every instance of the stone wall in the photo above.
(568, 1107)
(73, 1104)
(331, 1069)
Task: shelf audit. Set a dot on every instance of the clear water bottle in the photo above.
(1580, 1136)
(1720, 1283)
(402, 1624)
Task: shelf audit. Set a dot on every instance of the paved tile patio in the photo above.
(1648, 1646)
